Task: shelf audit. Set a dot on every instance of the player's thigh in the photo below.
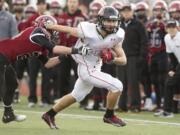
(10, 78)
(104, 80)
(81, 89)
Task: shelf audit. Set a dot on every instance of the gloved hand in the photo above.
(83, 50)
(107, 56)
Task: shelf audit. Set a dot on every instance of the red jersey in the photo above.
(27, 23)
(21, 46)
(156, 32)
(72, 21)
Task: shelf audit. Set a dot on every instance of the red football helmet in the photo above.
(117, 5)
(29, 9)
(55, 4)
(94, 8)
(160, 4)
(141, 6)
(42, 20)
(18, 2)
(174, 6)
(95, 5)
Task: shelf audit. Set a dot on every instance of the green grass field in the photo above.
(75, 121)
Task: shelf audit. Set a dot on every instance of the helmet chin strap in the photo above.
(101, 31)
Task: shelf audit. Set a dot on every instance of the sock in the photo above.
(109, 113)
(51, 113)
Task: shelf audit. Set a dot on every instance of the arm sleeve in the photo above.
(40, 38)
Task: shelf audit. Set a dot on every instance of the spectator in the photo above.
(34, 64)
(141, 13)
(174, 10)
(50, 84)
(135, 47)
(29, 11)
(172, 41)
(8, 26)
(19, 65)
(157, 57)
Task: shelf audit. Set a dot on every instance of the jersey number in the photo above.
(28, 55)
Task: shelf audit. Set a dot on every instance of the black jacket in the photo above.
(135, 42)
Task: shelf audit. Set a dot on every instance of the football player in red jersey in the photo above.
(41, 8)
(174, 10)
(157, 57)
(33, 41)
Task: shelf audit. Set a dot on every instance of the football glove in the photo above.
(83, 50)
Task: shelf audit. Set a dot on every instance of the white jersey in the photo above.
(91, 38)
(173, 45)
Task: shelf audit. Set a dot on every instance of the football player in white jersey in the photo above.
(101, 38)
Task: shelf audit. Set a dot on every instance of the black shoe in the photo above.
(50, 121)
(135, 109)
(8, 116)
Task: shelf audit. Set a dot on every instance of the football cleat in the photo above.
(114, 120)
(10, 116)
(50, 121)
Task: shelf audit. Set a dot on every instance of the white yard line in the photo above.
(76, 116)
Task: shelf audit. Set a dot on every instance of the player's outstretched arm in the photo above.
(120, 58)
(66, 29)
(52, 62)
(62, 50)
(66, 50)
